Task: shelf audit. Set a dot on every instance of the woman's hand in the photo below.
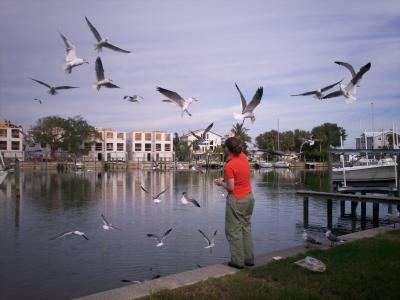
(219, 181)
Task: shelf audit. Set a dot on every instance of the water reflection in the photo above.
(32, 267)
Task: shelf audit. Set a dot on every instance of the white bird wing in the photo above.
(255, 101)
(99, 69)
(144, 189)
(65, 87)
(195, 135)
(242, 99)
(348, 67)
(194, 201)
(62, 234)
(93, 30)
(115, 48)
(364, 69)
(70, 49)
(41, 82)
(175, 97)
(160, 193)
(214, 235)
(324, 89)
(207, 130)
(111, 85)
(105, 220)
(333, 94)
(154, 236)
(306, 94)
(205, 237)
(166, 233)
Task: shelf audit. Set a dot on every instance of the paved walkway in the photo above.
(135, 291)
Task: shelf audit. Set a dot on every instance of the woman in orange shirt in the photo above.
(239, 204)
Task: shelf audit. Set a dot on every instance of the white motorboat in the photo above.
(264, 164)
(366, 170)
(282, 164)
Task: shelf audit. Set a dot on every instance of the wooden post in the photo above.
(375, 214)
(305, 212)
(329, 213)
(342, 208)
(353, 209)
(363, 215)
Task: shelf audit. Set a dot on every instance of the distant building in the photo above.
(150, 145)
(111, 146)
(11, 141)
(212, 140)
(373, 140)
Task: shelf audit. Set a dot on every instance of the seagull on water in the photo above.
(101, 80)
(155, 197)
(74, 232)
(53, 89)
(333, 238)
(160, 241)
(211, 243)
(174, 97)
(38, 100)
(394, 218)
(107, 225)
(318, 94)
(202, 138)
(71, 60)
(186, 199)
(134, 98)
(309, 239)
(247, 109)
(198, 169)
(349, 90)
(102, 42)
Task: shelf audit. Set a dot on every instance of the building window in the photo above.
(15, 133)
(120, 135)
(120, 146)
(147, 136)
(167, 147)
(88, 147)
(158, 147)
(109, 135)
(15, 145)
(110, 147)
(167, 137)
(158, 136)
(147, 147)
(138, 136)
(99, 147)
(3, 145)
(3, 132)
(138, 147)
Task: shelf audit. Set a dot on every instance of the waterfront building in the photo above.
(213, 140)
(150, 145)
(11, 141)
(375, 140)
(111, 146)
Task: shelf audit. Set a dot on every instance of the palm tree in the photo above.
(240, 132)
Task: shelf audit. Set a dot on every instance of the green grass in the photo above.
(365, 269)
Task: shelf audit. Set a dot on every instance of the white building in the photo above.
(150, 146)
(11, 141)
(374, 140)
(212, 140)
(111, 146)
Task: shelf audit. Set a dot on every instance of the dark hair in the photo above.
(234, 145)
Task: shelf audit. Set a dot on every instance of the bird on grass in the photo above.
(186, 199)
(333, 238)
(102, 42)
(309, 239)
(173, 97)
(156, 198)
(318, 94)
(248, 109)
(101, 80)
(160, 240)
(53, 89)
(71, 59)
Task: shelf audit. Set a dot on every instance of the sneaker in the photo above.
(231, 264)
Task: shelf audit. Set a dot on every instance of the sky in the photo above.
(200, 49)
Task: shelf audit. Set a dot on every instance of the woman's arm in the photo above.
(228, 184)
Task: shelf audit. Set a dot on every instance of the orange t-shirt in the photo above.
(237, 167)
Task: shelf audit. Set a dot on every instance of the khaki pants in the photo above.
(238, 229)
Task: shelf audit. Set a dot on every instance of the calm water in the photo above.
(34, 267)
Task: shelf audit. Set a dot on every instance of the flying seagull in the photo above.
(318, 94)
(247, 109)
(309, 141)
(53, 89)
(134, 98)
(160, 241)
(71, 60)
(211, 243)
(107, 225)
(74, 232)
(333, 238)
(203, 136)
(101, 80)
(309, 239)
(349, 67)
(102, 42)
(185, 200)
(174, 97)
(349, 90)
(155, 197)
(38, 100)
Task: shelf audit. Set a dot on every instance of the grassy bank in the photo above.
(365, 269)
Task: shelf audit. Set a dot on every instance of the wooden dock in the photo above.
(352, 197)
